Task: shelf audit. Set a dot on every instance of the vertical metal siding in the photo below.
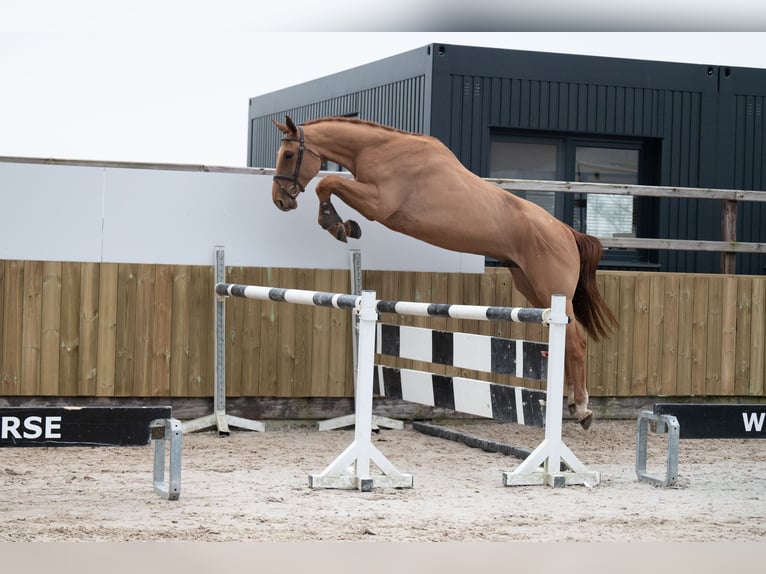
(399, 105)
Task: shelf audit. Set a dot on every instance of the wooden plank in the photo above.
(70, 329)
(233, 333)
(51, 329)
(685, 335)
(728, 234)
(629, 190)
(700, 307)
(487, 297)
(268, 372)
(13, 300)
(304, 325)
(31, 328)
(179, 346)
(610, 346)
(625, 335)
(142, 366)
(655, 343)
(682, 245)
(107, 329)
(454, 293)
(322, 384)
(758, 338)
(670, 337)
(161, 331)
(503, 297)
(714, 340)
(126, 321)
(594, 352)
(286, 337)
(728, 335)
(200, 376)
(340, 378)
(253, 348)
(640, 339)
(743, 351)
(89, 319)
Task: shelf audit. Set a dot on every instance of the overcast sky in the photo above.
(169, 81)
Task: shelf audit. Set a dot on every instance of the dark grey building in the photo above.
(531, 115)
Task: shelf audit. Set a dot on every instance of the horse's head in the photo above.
(294, 167)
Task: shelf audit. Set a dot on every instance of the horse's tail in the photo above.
(590, 309)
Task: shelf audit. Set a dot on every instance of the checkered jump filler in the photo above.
(351, 469)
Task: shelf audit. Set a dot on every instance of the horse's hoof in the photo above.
(572, 409)
(353, 229)
(586, 421)
(339, 233)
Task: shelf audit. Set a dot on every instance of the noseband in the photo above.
(295, 186)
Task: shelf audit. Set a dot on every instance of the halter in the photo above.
(293, 179)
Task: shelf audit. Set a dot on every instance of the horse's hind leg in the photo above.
(574, 359)
(574, 373)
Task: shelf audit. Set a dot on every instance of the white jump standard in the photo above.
(351, 468)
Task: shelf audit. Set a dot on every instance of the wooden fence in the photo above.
(134, 330)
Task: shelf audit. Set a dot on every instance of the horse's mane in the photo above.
(358, 122)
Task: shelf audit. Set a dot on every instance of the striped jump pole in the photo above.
(351, 468)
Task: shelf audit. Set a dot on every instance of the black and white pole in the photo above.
(219, 418)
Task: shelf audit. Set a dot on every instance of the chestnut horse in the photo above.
(413, 184)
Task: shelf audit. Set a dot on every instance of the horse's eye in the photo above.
(288, 155)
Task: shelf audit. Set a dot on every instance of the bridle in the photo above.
(295, 186)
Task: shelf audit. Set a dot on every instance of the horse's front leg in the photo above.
(331, 221)
(328, 217)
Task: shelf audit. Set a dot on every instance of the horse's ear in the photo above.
(291, 125)
(282, 127)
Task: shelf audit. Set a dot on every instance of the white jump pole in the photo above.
(543, 465)
(352, 468)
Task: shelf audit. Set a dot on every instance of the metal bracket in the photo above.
(662, 424)
(162, 431)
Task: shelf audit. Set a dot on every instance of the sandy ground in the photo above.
(254, 487)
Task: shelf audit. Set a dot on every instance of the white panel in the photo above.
(472, 351)
(520, 358)
(517, 391)
(178, 217)
(417, 387)
(472, 397)
(50, 212)
(415, 343)
(116, 214)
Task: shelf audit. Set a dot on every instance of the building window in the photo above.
(579, 158)
(606, 215)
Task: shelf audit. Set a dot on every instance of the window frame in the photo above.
(565, 203)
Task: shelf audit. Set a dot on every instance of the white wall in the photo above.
(136, 215)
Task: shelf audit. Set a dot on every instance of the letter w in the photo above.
(753, 420)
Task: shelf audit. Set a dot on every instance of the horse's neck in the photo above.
(340, 142)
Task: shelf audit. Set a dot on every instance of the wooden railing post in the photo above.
(729, 234)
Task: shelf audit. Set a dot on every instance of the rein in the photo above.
(295, 186)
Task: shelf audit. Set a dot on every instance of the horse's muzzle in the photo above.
(282, 198)
(285, 203)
